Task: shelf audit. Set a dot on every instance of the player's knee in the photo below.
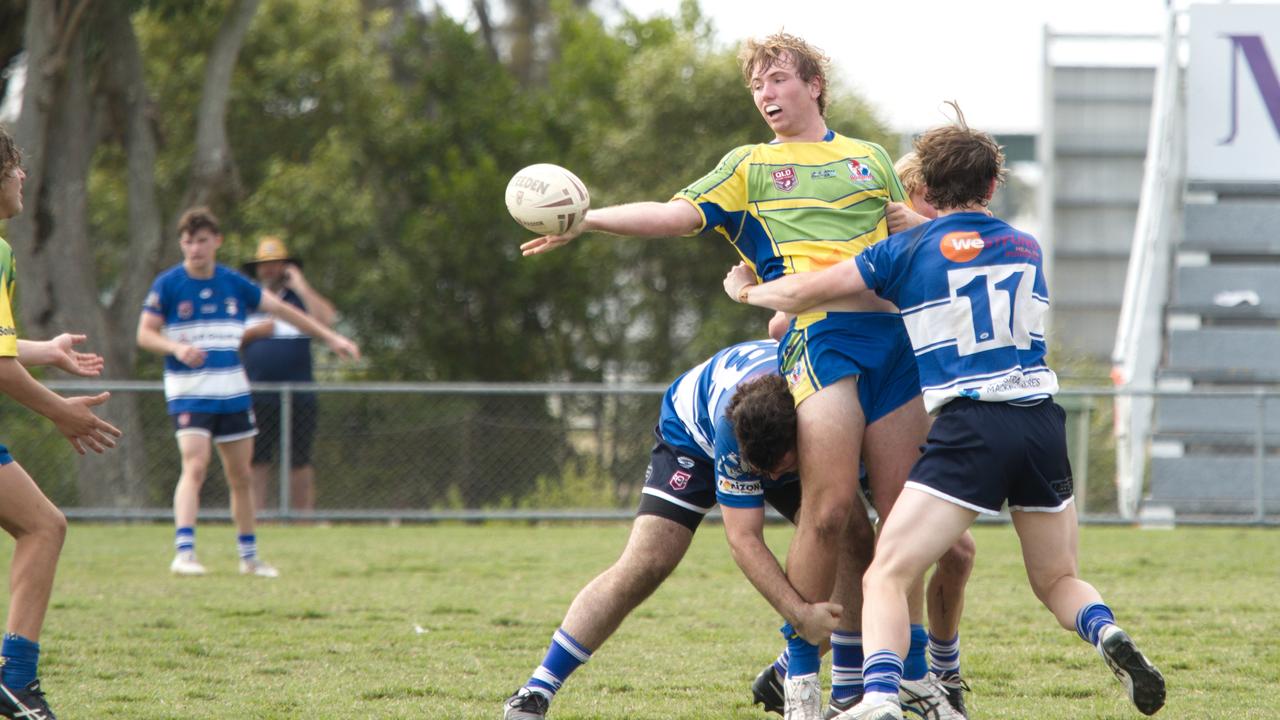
(51, 526)
(958, 560)
(1044, 580)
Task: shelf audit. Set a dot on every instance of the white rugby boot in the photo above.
(802, 698)
(186, 564)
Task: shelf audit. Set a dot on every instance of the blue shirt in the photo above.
(208, 314)
(972, 294)
(693, 418)
(283, 357)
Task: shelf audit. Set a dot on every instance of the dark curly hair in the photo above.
(763, 416)
(10, 155)
(958, 163)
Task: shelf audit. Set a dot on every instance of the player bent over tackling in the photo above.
(972, 293)
(697, 463)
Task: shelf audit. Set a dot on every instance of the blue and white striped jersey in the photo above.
(209, 314)
(972, 294)
(693, 418)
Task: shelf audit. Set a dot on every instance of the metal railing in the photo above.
(479, 451)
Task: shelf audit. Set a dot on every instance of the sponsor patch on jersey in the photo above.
(859, 172)
(796, 374)
(961, 246)
(231, 306)
(684, 462)
(822, 174)
(729, 486)
(208, 308)
(186, 309)
(730, 466)
(785, 179)
(679, 480)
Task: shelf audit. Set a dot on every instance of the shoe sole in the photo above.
(1143, 681)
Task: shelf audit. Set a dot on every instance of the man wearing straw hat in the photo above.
(276, 351)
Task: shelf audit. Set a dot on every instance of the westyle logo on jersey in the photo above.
(684, 462)
(859, 172)
(961, 246)
(785, 179)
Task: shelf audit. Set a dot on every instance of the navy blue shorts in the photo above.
(980, 454)
(302, 427)
(222, 427)
(682, 488)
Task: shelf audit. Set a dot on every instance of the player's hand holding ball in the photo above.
(548, 199)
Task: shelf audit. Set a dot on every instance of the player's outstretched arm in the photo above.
(337, 342)
(60, 353)
(642, 219)
(794, 293)
(744, 529)
(72, 416)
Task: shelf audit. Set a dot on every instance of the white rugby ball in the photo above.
(547, 199)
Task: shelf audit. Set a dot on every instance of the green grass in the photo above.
(335, 637)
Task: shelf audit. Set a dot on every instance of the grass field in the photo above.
(445, 621)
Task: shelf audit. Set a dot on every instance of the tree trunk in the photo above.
(213, 170)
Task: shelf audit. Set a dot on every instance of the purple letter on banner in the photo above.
(1255, 53)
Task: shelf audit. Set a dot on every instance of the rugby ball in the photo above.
(547, 199)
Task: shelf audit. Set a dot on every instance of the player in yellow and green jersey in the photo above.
(808, 199)
(37, 526)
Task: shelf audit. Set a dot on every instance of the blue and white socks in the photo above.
(881, 677)
(564, 655)
(247, 545)
(944, 655)
(184, 539)
(846, 665)
(1091, 620)
(21, 660)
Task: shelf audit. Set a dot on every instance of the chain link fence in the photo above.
(492, 451)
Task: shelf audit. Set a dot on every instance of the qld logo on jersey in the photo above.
(961, 246)
(859, 172)
(785, 179)
(679, 480)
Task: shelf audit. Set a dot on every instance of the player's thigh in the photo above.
(235, 456)
(891, 446)
(829, 427)
(1050, 542)
(24, 507)
(905, 552)
(195, 448)
(656, 545)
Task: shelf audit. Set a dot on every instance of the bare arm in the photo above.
(72, 416)
(318, 306)
(283, 310)
(744, 528)
(258, 331)
(152, 339)
(795, 293)
(60, 353)
(642, 219)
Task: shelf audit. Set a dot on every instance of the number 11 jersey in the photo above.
(973, 297)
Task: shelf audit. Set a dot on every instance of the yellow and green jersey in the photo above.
(798, 206)
(8, 279)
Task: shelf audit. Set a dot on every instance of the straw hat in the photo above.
(270, 248)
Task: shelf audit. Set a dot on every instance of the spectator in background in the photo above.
(276, 351)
